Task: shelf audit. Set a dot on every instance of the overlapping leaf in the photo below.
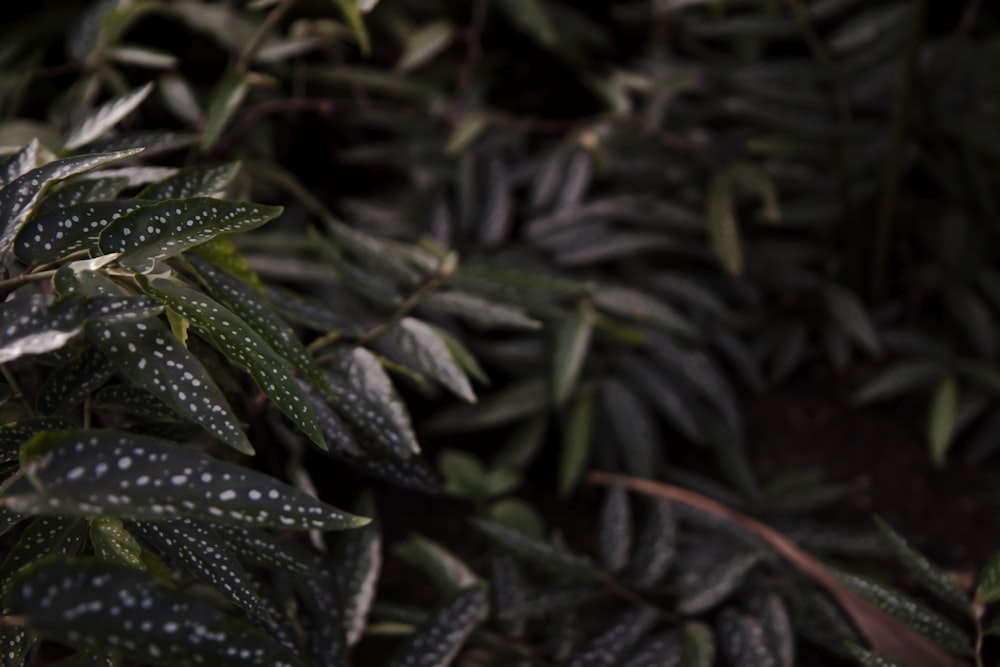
(439, 640)
(55, 234)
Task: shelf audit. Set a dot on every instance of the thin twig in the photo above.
(15, 387)
(24, 278)
(273, 17)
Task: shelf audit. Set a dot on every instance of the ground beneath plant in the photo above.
(880, 453)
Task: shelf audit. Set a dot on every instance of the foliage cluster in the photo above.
(578, 232)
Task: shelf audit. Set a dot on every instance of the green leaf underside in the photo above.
(85, 473)
(257, 312)
(439, 640)
(58, 233)
(206, 555)
(242, 345)
(168, 228)
(92, 605)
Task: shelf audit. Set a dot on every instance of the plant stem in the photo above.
(893, 161)
(24, 278)
(16, 388)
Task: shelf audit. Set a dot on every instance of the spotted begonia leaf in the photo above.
(43, 537)
(426, 352)
(18, 199)
(54, 235)
(92, 605)
(359, 563)
(78, 190)
(91, 472)
(195, 181)
(12, 436)
(221, 253)
(206, 555)
(132, 400)
(261, 548)
(73, 381)
(242, 345)
(369, 403)
(169, 228)
(323, 618)
(255, 310)
(114, 543)
(20, 162)
(439, 640)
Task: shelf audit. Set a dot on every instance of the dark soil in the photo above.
(952, 514)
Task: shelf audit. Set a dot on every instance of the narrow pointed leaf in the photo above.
(898, 380)
(83, 473)
(849, 314)
(228, 95)
(608, 648)
(29, 326)
(194, 181)
(701, 593)
(168, 228)
(928, 623)
(698, 647)
(105, 117)
(929, 575)
(114, 543)
(352, 12)
(776, 625)
(723, 230)
(241, 345)
(535, 551)
(942, 419)
(424, 350)
(77, 191)
(68, 385)
(78, 603)
(324, 617)
(19, 198)
(642, 307)
(867, 658)
(615, 529)
(257, 312)
(58, 233)
(263, 549)
(424, 44)
(359, 564)
(479, 311)
(439, 640)
(577, 437)
(571, 345)
(20, 162)
(148, 356)
(133, 401)
(206, 555)
(656, 545)
(448, 572)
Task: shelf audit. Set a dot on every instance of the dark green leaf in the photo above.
(637, 434)
(642, 307)
(897, 380)
(359, 563)
(576, 442)
(12, 436)
(723, 230)
(58, 233)
(28, 325)
(105, 117)
(867, 658)
(69, 384)
(608, 648)
(20, 162)
(662, 650)
(615, 529)
(777, 627)
(656, 546)
(83, 473)
(700, 592)
(942, 420)
(114, 543)
(79, 603)
(439, 640)
(480, 312)
(537, 552)
(133, 400)
(228, 95)
(849, 314)
(423, 44)
(241, 345)
(76, 191)
(261, 548)
(426, 352)
(930, 576)
(988, 590)
(571, 345)
(448, 572)
(168, 228)
(742, 640)
(206, 555)
(194, 181)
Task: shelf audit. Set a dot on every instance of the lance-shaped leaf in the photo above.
(700, 593)
(257, 312)
(148, 355)
(742, 640)
(507, 591)
(323, 620)
(928, 623)
(480, 312)
(929, 575)
(615, 529)
(723, 230)
(262, 549)
(168, 228)
(608, 648)
(12, 436)
(105, 117)
(368, 401)
(536, 552)
(133, 401)
(80, 603)
(988, 590)
(76, 191)
(206, 555)
(571, 345)
(448, 572)
(226, 98)
(51, 236)
(221, 253)
(241, 345)
(114, 543)
(552, 602)
(359, 563)
(29, 326)
(942, 420)
(20, 162)
(661, 650)
(83, 473)
(439, 640)
(72, 382)
(577, 437)
(656, 545)
(422, 349)
(18, 199)
(194, 181)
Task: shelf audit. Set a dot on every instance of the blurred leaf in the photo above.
(849, 314)
(988, 590)
(615, 529)
(439, 640)
(106, 117)
(228, 95)
(572, 342)
(463, 473)
(701, 592)
(608, 648)
(698, 647)
(723, 231)
(930, 576)
(465, 132)
(114, 544)
(660, 650)
(898, 379)
(519, 515)
(479, 311)
(424, 44)
(867, 658)
(428, 353)
(533, 18)
(742, 640)
(352, 12)
(359, 564)
(656, 544)
(942, 419)
(69, 384)
(448, 572)
(576, 442)
(194, 181)
(535, 551)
